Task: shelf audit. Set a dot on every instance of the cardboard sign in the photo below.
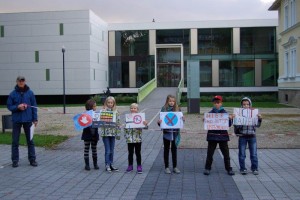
(104, 118)
(216, 121)
(135, 120)
(171, 120)
(245, 116)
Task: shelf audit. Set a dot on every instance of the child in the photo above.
(90, 137)
(220, 137)
(247, 135)
(109, 135)
(134, 141)
(170, 136)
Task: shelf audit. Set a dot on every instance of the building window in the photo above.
(37, 56)
(290, 13)
(205, 69)
(1, 31)
(260, 40)
(290, 58)
(286, 64)
(47, 74)
(236, 73)
(293, 63)
(215, 41)
(94, 73)
(61, 29)
(269, 73)
(132, 43)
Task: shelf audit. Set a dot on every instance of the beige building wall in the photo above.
(194, 41)
(132, 73)
(258, 72)
(152, 42)
(215, 73)
(112, 43)
(236, 40)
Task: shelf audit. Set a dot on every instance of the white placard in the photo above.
(32, 131)
(216, 121)
(171, 120)
(135, 120)
(245, 116)
(104, 118)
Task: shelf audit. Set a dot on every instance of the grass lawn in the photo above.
(47, 141)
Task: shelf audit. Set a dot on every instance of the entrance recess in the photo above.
(169, 65)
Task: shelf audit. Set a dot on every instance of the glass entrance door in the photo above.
(168, 66)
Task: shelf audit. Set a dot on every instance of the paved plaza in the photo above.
(61, 174)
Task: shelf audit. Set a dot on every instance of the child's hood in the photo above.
(246, 99)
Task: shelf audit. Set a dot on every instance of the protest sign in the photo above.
(83, 120)
(171, 120)
(104, 118)
(135, 120)
(216, 121)
(245, 116)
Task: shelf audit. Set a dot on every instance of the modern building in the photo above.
(233, 55)
(288, 35)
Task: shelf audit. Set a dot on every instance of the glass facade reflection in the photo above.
(235, 69)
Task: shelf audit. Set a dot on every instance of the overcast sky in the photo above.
(145, 10)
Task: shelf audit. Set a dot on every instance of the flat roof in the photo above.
(194, 24)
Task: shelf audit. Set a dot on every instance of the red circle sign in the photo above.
(84, 119)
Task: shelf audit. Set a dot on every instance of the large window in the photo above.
(132, 43)
(269, 73)
(205, 73)
(215, 41)
(180, 36)
(236, 73)
(259, 40)
(290, 13)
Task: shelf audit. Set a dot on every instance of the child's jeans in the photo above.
(109, 145)
(243, 140)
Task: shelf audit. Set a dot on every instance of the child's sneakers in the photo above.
(107, 168)
(139, 169)
(176, 170)
(129, 168)
(167, 171)
(244, 171)
(230, 172)
(113, 168)
(206, 172)
(255, 172)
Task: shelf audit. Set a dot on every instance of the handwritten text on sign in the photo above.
(171, 120)
(135, 120)
(245, 116)
(216, 121)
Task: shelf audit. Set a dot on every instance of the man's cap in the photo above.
(217, 97)
(20, 78)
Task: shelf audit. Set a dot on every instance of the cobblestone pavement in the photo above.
(61, 174)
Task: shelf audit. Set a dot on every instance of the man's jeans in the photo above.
(253, 152)
(15, 141)
(109, 145)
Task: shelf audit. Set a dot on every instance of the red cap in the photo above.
(217, 97)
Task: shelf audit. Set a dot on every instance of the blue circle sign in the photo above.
(171, 119)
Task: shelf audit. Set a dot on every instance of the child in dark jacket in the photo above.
(90, 137)
(215, 137)
(246, 135)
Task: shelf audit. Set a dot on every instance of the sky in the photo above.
(132, 11)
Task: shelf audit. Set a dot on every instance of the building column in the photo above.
(152, 42)
(236, 40)
(111, 43)
(215, 73)
(194, 41)
(132, 74)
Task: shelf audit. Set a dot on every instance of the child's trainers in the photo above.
(129, 168)
(113, 168)
(255, 172)
(206, 172)
(107, 168)
(244, 171)
(139, 169)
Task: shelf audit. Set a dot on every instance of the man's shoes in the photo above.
(129, 168)
(33, 163)
(206, 172)
(176, 170)
(167, 171)
(139, 169)
(15, 164)
(114, 168)
(255, 172)
(230, 172)
(244, 171)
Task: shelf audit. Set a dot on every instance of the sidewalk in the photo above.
(61, 174)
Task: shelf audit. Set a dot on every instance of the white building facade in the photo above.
(31, 45)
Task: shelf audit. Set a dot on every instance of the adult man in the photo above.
(21, 102)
